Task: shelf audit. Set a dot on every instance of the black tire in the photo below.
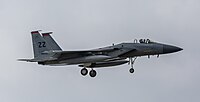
(93, 73)
(131, 70)
(84, 71)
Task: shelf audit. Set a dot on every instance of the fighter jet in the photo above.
(48, 52)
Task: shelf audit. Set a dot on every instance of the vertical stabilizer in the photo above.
(39, 45)
(51, 41)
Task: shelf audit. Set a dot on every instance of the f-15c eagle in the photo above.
(48, 52)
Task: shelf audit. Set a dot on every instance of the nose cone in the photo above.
(170, 49)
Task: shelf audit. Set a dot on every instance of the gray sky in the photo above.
(85, 24)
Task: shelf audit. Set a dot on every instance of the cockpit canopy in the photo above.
(145, 41)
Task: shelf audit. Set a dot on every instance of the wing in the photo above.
(75, 54)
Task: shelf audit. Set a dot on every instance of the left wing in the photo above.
(74, 54)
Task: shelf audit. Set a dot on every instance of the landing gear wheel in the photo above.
(93, 73)
(84, 71)
(131, 70)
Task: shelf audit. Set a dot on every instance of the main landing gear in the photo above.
(84, 71)
(131, 62)
(92, 73)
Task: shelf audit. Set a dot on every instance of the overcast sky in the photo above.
(86, 24)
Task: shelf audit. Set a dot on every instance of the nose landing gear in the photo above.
(132, 61)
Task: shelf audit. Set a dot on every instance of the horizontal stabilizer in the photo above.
(37, 60)
(27, 60)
